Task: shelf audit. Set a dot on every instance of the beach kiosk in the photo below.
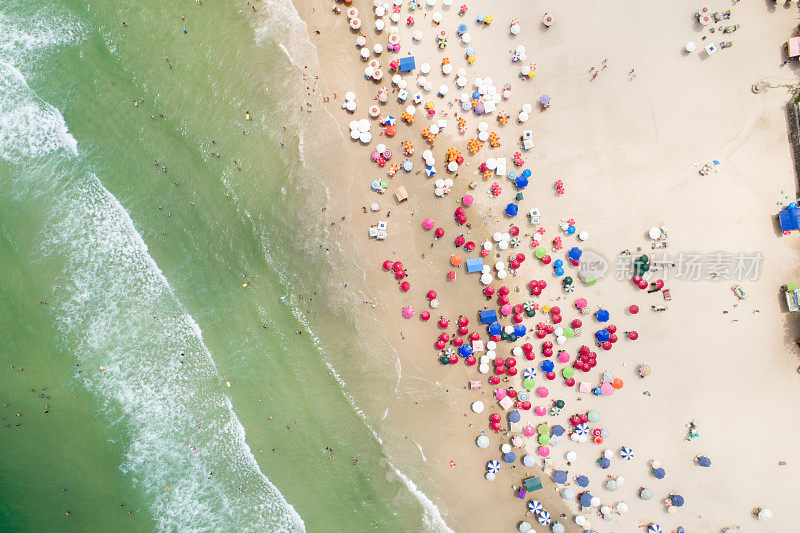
(406, 64)
(488, 316)
(532, 483)
(789, 219)
(792, 294)
(475, 265)
(794, 46)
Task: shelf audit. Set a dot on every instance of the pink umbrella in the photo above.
(528, 431)
(542, 392)
(505, 310)
(427, 223)
(500, 394)
(607, 389)
(408, 312)
(540, 410)
(467, 200)
(581, 303)
(563, 357)
(543, 451)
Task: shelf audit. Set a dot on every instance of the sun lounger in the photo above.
(667, 295)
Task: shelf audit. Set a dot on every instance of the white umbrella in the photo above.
(483, 441)
(443, 90)
(447, 68)
(503, 274)
(571, 456)
(434, 303)
(654, 233)
(375, 206)
(527, 108)
(483, 368)
(452, 166)
(524, 527)
(690, 47)
(621, 508)
(522, 117)
(489, 476)
(505, 447)
(349, 96)
(583, 235)
(486, 279)
(580, 520)
(765, 514)
(425, 68)
(466, 38)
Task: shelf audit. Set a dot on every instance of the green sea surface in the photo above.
(150, 289)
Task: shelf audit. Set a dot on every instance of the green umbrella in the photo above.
(542, 429)
(567, 281)
(560, 404)
(645, 494)
(539, 252)
(594, 416)
(544, 440)
(568, 372)
(384, 184)
(512, 338)
(529, 384)
(445, 360)
(569, 333)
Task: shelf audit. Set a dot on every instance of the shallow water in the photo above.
(146, 300)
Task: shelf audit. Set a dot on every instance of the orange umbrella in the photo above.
(455, 260)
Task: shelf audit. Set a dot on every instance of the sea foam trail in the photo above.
(184, 447)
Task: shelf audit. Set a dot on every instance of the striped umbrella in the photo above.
(450, 351)
(515, 241)
(535, 506)
(582, 429)
(544, 518)
(654, 528)
(529, 373)
(493, 466)
(626, 453)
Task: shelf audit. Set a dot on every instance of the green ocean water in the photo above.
(140, 272)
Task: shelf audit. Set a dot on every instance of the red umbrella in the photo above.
(546, 259)
(453, 359)
(470, 360)
(499, 361)
(633, 309)
(550, 375)
(463, 321)
(521, 257)
(659, 284)
(431, 294)
(519, 309)
(503, 300)
(444, 337)
(514, 264)
(632, 335)
(607, 345)
(494, 380)
(584, 350)
(425, 316)
(540, 333)
(556, 319)
(463, 330)
(511, 371)
(569, 382)
(504, 291)
(443, 323)
(546, 345)
(458, 341)
(469, 246)
(542, 284)
(405, 286)
(555, 310)
(488, 291)
(547, 352)
(460, 211)
(440, 345)
(527, 348)
(439, 233)
(613, 338)
(518, 318)
(536, 291)
(397, 265)
(577, 323)
(642, 284)
(514, 231)
(500, 370)
(549, 329)
(460, 240)
(399, 274)
(474, 336)
(387, 265)
(611, 328)
(511, 362)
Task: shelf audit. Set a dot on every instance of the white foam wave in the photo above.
(29, 126)
(22, 37)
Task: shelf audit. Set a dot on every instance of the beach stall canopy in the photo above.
(475, 264)
(407, 64)
(488, 316)
(790, 219)
(532, 483)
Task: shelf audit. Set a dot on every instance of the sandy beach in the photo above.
(627, 144)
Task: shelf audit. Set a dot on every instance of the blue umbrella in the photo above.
(704, 461)
(519, 330)
(390, 120)
(560, 477)
(585, 499)
(604, 463)
(559, 271)
(602, 315)
(547, 366)
(462, 29)
(582, 481)
(535, 506)
(510, 457)
(481, 17)
(654, 528)
(529, 373)
(544, 518)
(476, 95)
(526, 173)
(659, 473)
(430, 171)
(558, 263)
(511, 209)
(513, 416)
(544, 99)
(465, 350)
(602, 335)
(493, 466)
(571, 230)
(557, 430)
(677, 500)
(495, 328)
(626, 453)
(521, 182)
(575, 253)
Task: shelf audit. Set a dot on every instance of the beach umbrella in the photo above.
(489, 476)
(654, 528)
(633, 309)
(430, 171)
(582, 429)
(644, 370)
(535, 506)
(704, 461)
(621, 508)
(604, 463)
(493, 466)
(557, 430)
(556, 527)
(512, 209)
(529, 373)
(529, 460)
(544, 518)
(574, 253)
(521, 182)
(765, 514)
(585, 499)
(626, 453)
(547, 366)
(519, 330)
(477, 406)
(560, 477)
(544, 100)
(510, 457)
(543, 451)
(427, 223)
(465, 350)
(513, 417)
(568, 494)
(524, 527)
(594, 416)
(483, 441)
(408, 312)
(602, 315)
(611, 485)
(659, 473)
(633, 335)
(677, 500)
(602, 335)
(582, 481)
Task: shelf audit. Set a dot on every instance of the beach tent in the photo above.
(790, 219)
(475, 264)
(532, 484)
(407, 64)
(488, 316)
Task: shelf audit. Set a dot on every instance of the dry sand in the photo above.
(626, 150)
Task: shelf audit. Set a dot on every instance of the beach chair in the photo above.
(667, 295)
(382, 234)
(739, 292)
